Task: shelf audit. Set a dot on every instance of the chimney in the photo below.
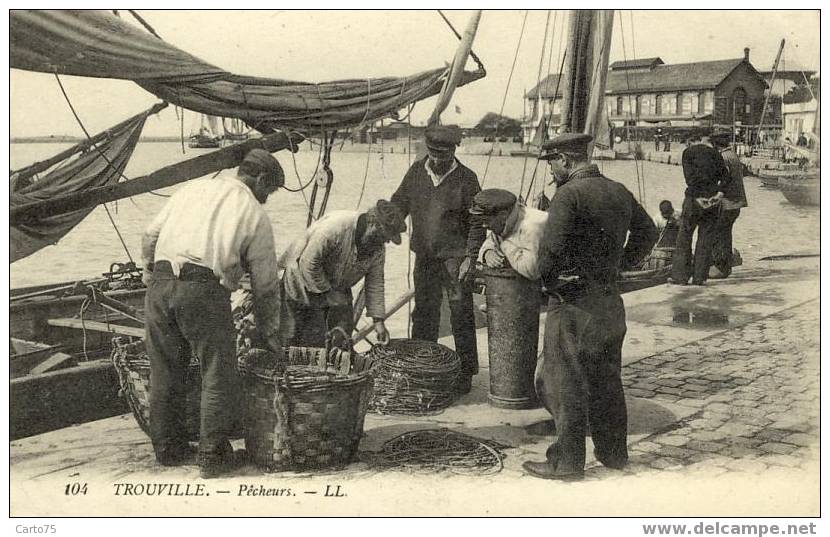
(746, 54)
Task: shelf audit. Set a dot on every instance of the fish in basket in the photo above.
(303, 416)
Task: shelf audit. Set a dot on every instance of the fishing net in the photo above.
(413, 377)
(441, 450)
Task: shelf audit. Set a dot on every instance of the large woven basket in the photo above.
(133, 367)
(304, 416)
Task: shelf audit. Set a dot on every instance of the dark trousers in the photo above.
(313, 321)
(578, 381)
(184, 317)
(432, 276)
(722, 240)
(704, 220)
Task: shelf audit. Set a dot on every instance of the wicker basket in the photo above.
(133, 367)
(304, 416)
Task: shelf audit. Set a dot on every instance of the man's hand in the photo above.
(274, 343)
(382, 333)
(146, 277)
(467, 271)
(493, 259)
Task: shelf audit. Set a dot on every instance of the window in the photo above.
(619, 105)
(658, 105)
(678, 107)
(639, 105)
(701, 102)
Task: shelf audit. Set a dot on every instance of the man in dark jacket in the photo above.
(706, 177)
(734, 198)
(437, 192)
(578, 380)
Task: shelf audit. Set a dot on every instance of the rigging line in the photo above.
(506, 88)
(95, 146)
(640, 192)
(366, 170)
(538, 89)
(118, 232)
(550, 110)
(408, 235)
(472, 54)
(143, 22)
(642, 169)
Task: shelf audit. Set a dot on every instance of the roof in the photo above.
(674, 77)
(636, 64)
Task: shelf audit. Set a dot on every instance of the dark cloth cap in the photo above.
(570, 142)
(390, 219)
(266, 162)
(443, 137)
(721, 138)
(492, 200)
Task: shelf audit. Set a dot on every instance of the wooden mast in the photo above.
(228, 157)
(769, 94)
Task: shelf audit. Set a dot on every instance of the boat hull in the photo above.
(801, 191)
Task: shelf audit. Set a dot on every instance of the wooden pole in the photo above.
(457, 71)
(769, 94)
(401, 302)
(202, 165)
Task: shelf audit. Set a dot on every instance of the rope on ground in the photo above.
(414, 377)
(441, 450)
(504, 99)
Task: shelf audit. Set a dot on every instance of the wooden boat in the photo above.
(804, 189)
(59, 353)
(201, 141)
(769, 178)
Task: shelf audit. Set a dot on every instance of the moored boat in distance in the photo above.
(802, 189)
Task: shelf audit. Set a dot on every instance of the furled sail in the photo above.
(95, 166)
(586, 71)
(98, 44)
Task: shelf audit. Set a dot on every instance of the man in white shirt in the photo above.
(335, 253)
(514, 232)
(211, 232)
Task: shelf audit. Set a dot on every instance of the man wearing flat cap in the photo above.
(578, 379)
(514, 232)
(321, 267)
(437, 192)
(211, 232)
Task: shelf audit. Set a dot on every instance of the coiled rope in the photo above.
(413, 377)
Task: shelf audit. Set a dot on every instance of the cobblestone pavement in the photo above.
(755, 391)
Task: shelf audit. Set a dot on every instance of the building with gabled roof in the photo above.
(650, 93)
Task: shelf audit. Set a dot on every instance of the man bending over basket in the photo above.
(211, 231)
(321, 267)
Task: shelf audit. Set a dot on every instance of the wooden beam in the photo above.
(202, 165)
(96, 326)
(406, 297)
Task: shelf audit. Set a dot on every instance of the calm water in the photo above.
(770, 226)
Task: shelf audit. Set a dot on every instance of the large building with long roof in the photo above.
(650, 93)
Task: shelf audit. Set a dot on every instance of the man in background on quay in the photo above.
(734, 199)
(706, 178)
(514, 232)
(578, 380)
(335, 253)
(209, 234)
(437, 192)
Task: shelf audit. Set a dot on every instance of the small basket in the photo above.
(304, 416)
(133, 367)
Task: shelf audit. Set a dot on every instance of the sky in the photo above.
(317, 46)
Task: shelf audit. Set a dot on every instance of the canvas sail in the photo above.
(97, 44)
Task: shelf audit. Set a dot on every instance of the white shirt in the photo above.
(520, 242)
(438, 179)
(217, 223)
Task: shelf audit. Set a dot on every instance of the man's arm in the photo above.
(261, 258)
(151, 236)
(401, 195)
(561, 218)
(375, 287)
(642, 235)
(522, 258)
